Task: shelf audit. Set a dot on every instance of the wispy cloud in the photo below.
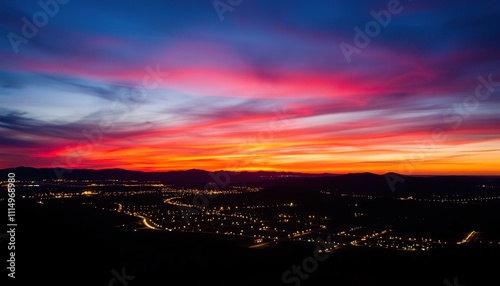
(225, 80)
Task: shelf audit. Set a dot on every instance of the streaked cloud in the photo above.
(227, 87)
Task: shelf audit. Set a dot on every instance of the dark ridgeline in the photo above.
(193, 176)
(357, 183)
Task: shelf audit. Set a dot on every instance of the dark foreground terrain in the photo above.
(67, 243)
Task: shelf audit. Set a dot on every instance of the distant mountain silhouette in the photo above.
(192, 176)
(372, 184)
(352, 183)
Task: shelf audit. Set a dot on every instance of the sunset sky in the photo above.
(261, 85)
